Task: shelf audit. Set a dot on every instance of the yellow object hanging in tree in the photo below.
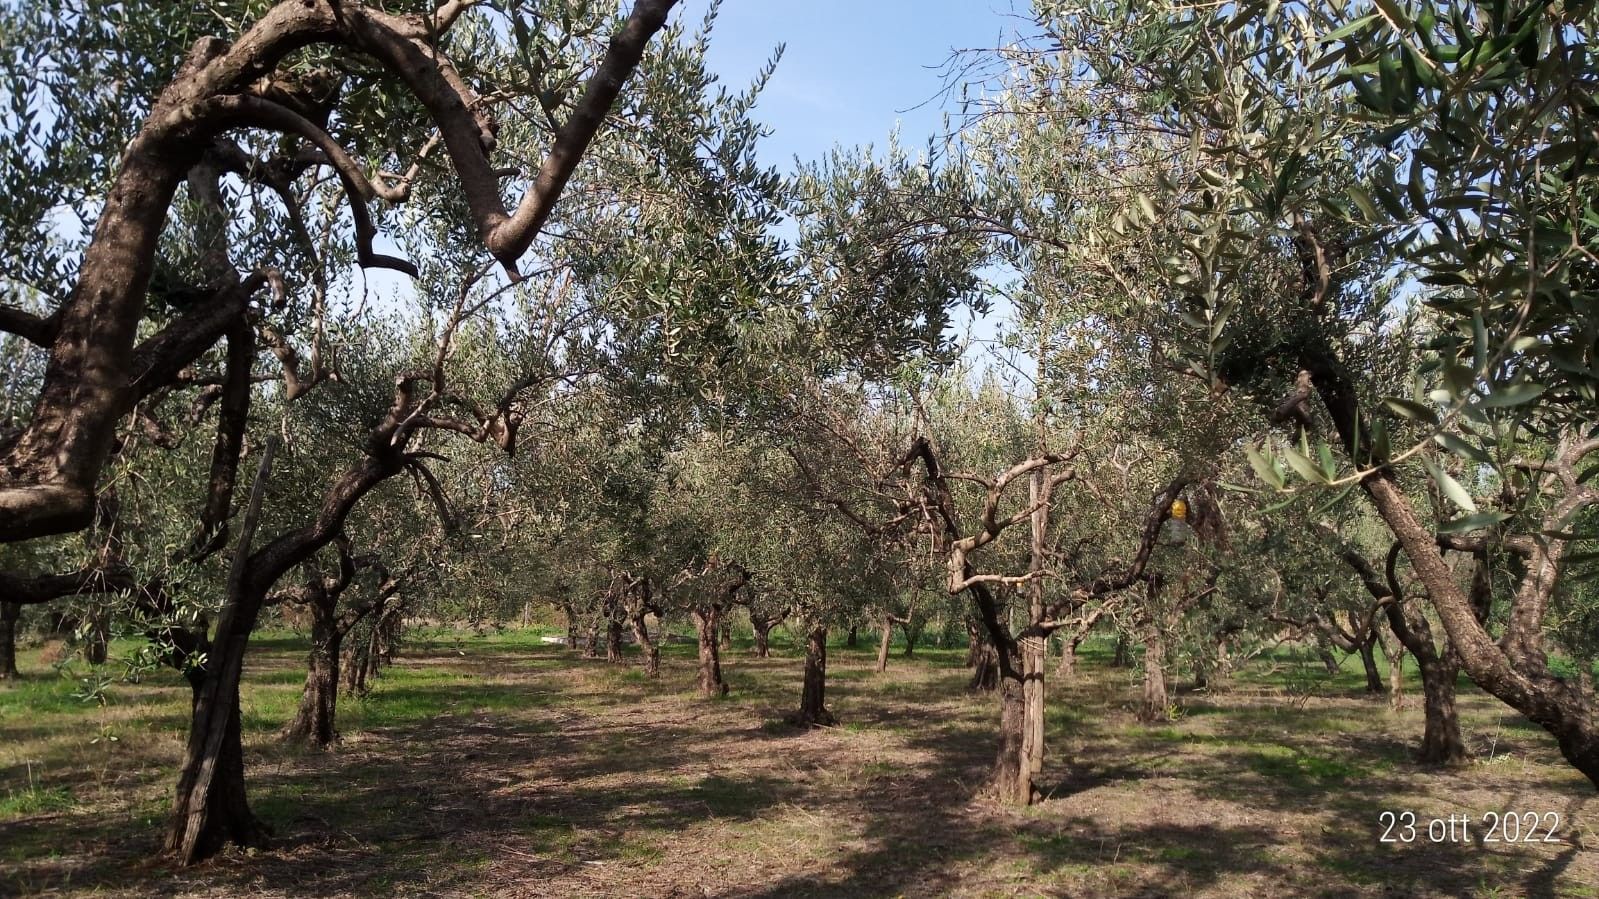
(1179, 510)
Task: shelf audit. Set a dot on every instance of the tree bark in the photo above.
(1368, 660)
(315, 722)
(9, 613)
(1395, 656)
(1439, 666)
(211, 807)
(1020, 755)
(985, 672)
(652, 650)
(1067, 668)
(1221, 676)
(1156, 703)
(1440, 740)
(813, 710)
(726, 631)
(763, 636)
(706, 626)
(882, 643)
(852, 639)
(613, 640)
(1123, 657)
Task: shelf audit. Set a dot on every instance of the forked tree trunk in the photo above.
(706, 625)
(1156, 703)
(613, 640)
(813, 696)
(974, 642)
(315, 722)
(652, 650)
(1021, 726)
(591, 643)
(1368, 661)
(1067, 668)
(763, 636)
(9, 613)
(1440, 741)
(212, 809)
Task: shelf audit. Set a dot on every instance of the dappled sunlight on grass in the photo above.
(479, 764)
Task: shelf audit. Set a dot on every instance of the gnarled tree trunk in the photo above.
(706, 625)
(1020, 756)
(1067, 667)
(763, 636)
(1440, 740)
(314, 723)
(613, 640)
(212, 809)
(985, 672)
(652, 650)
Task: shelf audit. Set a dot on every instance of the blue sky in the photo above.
(851, 69)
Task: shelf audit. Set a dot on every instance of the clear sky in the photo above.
(851, 69)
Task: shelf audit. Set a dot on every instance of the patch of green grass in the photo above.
(36, 799)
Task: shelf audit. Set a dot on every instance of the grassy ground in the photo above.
(500, 766)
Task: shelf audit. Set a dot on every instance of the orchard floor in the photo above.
(501, 766)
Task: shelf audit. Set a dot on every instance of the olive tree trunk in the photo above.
(652, 650)
(613, 640)
(1155, 705)
(314, 722)
(706, 625)
(813, 695)
(763, 636)
(1368, 661)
